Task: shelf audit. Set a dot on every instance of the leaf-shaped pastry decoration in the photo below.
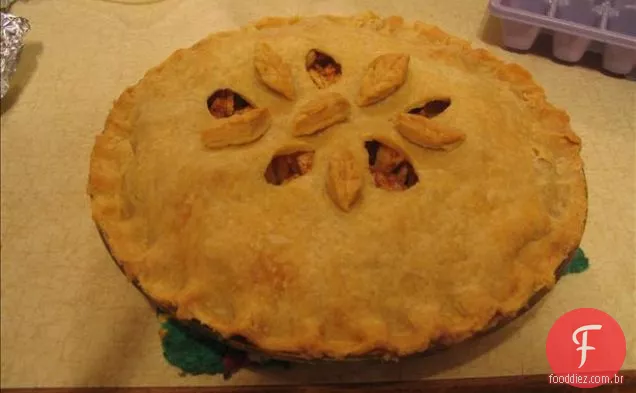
(273, 71)
(238, 129)
(428, 133)
(320, 113)
(385, 75)
(344, 180)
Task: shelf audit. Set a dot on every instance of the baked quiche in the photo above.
(333, 187)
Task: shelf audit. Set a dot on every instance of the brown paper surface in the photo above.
(70, 318)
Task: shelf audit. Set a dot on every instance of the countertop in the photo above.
(68, 315)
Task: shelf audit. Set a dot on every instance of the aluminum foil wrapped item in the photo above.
(6, 3)
(12, 31)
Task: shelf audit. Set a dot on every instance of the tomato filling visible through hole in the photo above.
(389, 167)
(322, 68)
(225, 103)
(432, 108)
(284, 168)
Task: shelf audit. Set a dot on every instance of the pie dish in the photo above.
(329, 187)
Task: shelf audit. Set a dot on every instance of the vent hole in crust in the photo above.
(226, 102)
(390, 168)
(323, 69)
(284, 168)
(431, 108)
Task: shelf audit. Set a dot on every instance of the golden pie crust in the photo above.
(329, 264)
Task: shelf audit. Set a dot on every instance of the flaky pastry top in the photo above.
(339, 258)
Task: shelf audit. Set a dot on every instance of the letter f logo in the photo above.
(584, 347)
